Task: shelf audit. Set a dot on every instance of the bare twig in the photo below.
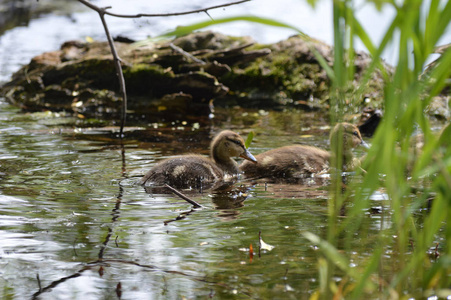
(117, 61)
(202, 10)
(189, 55)
(194, 203)
(102, 11)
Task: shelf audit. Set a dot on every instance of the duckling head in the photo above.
(343, 138)
(347, 136)
(229, 144)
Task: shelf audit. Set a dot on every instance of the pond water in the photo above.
(73, 225)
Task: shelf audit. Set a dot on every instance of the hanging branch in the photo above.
(202, 10)
(117, 61)
(186, 54)
(102, 11)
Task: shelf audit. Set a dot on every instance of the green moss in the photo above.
(100, 73)
(280, 72)
(288, 75)
(147, 79)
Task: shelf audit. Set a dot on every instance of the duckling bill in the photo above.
(294, 162)
(194, 171)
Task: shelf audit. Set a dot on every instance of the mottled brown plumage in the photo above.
(195, 171)
(295, 162)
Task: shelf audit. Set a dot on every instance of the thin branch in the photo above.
(206, 12)
(117, 60)
(194, 203)
(175, 13)
(181, 216)
(189, 55)
(120, 74)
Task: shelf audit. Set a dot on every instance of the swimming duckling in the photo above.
(196, 171)
(294, 162)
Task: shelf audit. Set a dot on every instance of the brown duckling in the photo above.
(294, 162)
(196, 171)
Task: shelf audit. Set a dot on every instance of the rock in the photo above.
(190, 71)
(439, 108)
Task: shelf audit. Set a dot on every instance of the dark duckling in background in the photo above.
(195, 171)
(294, 162)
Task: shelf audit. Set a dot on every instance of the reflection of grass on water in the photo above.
(399, 266)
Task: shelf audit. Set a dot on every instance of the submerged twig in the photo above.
(102, 262)
(194, 203)
(73, 246)
(39, 282)
(56, 283)
(181, 216)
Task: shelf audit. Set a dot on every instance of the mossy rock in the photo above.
(81, 77)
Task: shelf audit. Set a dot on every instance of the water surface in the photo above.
(74, 225)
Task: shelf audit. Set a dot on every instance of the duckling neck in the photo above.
(347, 160)
(226, 163)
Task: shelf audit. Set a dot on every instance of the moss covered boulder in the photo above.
(182, 76)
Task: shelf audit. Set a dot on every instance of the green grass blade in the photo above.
(336, 257)
(249, 139)
(184, 30)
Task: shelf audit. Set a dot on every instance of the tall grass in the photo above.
(399, 265)
(415, 31)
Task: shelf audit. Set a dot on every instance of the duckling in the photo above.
(294, 162)
(196, 171)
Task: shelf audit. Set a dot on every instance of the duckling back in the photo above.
(287, 163)
(187, 171)
(291, 163)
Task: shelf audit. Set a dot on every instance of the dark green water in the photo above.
(74, 226)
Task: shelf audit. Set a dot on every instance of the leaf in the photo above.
(184, 30)
(249, 139)
(312, 3)
(264, 246)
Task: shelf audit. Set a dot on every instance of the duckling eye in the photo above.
(235, 142)
(355, 133)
